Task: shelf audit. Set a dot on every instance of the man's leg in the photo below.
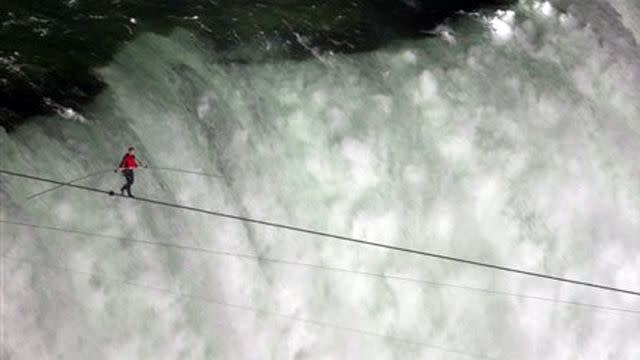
(129, 182)
(128, 175)
(126, 184)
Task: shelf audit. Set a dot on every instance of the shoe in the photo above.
(131, 196)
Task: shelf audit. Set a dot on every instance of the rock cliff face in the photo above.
(48, 49)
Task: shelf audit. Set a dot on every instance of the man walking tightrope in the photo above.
(128, 164)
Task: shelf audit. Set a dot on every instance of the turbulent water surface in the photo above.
(512, 137)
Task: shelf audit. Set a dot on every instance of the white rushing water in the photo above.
(512, 138)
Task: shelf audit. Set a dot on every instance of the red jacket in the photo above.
(129, 162)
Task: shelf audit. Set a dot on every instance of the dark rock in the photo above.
(48, 48)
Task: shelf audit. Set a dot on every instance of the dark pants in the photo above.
(128, 175)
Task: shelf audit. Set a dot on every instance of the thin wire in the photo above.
(257, 311)
(68, 183)
(337, 237)
(182, 171)
(320, 267)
